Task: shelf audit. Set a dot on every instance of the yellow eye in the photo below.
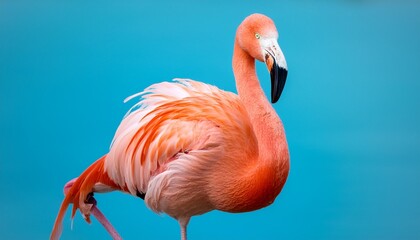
(257, 36)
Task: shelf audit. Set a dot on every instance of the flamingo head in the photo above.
(257, 35)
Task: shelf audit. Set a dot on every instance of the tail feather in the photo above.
(77, 194)
(57, 229)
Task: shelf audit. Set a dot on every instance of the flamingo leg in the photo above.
(104, 221)
(183, 222)
(96, 212)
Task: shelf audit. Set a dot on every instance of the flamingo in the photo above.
(188, 148)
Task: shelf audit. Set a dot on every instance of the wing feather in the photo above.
(167, 121)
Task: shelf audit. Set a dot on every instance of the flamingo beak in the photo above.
(277, 66)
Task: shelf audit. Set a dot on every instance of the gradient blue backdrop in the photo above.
(351, 109)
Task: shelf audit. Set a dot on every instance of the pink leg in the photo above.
(183, 222)
(102, 219)
(96, 212)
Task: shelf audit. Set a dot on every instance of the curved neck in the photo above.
(266, 123)
(257, 180)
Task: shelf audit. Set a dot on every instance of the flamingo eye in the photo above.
(257, 36)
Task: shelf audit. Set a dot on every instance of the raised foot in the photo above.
(89, 206)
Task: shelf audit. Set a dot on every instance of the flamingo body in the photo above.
(169, 147)
(188, 148)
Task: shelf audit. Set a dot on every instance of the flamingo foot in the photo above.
(90, 207)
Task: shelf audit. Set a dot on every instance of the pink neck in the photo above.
(257, 179)
(266, 123)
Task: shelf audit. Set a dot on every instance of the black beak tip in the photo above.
(278, 80)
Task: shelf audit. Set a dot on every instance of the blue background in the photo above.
(351, 109)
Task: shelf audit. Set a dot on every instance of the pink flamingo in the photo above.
(188, 148)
